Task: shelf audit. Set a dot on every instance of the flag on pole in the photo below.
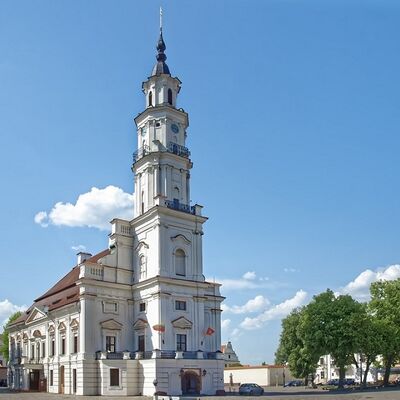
(209, 331)
(159, 328)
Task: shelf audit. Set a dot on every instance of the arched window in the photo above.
(180, 262)
(170, 96)
(176, 193)
(150, 98)
(142, 267)
(142, 202)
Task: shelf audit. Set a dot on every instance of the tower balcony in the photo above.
(172, 147)
(175, 204)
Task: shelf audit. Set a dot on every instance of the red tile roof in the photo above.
(64, 292)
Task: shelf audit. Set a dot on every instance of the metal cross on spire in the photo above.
(160, 19)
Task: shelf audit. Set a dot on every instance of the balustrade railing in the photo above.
(176, 205)
(165, 354)
(172, 147)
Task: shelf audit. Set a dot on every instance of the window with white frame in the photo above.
(180, 262)
(111, 342)
(181, 342)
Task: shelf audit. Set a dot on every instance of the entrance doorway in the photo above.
(61, 380)
(190, 383)
(34, 380)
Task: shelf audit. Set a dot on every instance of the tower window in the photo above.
(180, 262)
(170, 96)
(141, 345)
(110, 344)
(150, 98)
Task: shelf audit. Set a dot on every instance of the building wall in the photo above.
(263, 375)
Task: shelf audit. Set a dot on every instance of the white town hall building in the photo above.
(138, 317)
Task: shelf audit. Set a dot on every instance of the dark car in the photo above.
(295, 382)
(251, 389)
(349, 381)
(333, 382)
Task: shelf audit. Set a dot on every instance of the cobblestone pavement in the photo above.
(275, 394)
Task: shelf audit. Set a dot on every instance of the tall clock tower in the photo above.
(161, 164)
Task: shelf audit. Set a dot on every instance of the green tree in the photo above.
(4, 349)
(328, 327)
(371, 337)
(384, 305)
(292, 349)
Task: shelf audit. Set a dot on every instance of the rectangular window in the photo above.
(75, 346)
(141, 346)
(63, 345)
(53, 347)
(322, 375)
(43, 349)
(74, 380)
(110, 344)
(51, 378)
(32, 352)
(180, 342)
(114, 377)
(142, 307)
(180, 305)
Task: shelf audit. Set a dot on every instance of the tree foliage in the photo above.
(4, 349)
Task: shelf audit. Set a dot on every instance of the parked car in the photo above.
(349, 381)
(251, 389)
(333, 382)
(295, 382)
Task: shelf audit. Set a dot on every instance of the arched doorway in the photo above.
(190, 383)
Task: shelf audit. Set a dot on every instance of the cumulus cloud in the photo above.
(7, 309)
(249, 275)
(275, 312)
(257, 304)
(225, 324)
(289, 269)
(359, 287)
(78, 248)
(249, 280)
(93, 209)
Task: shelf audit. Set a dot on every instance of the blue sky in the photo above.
(294, 120)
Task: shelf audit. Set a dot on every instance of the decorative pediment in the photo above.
(36, 333)
(74, 325)
(182, 323)
(140, 324)
(181, 238)
(51, 330)
(18, 337)
(62, 327)
(141, 244)
(111, 324)
(25, 337)
(35, 315)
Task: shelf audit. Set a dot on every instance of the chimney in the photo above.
(83, 257)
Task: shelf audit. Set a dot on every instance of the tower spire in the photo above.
(161, 67)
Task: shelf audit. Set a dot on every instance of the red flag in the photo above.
(209, 331)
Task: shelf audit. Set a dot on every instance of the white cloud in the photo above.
(289, 269)
(7, 309)
(278, 311)
(249, 275)
(41, 219)
(225, 324)
(78, 248)
(359, 287)
(249, 280)
(94, 209)
(257, 304)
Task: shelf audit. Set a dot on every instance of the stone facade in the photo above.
(230, 357)
(138, 317)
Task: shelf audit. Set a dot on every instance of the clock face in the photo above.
(175, 128)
